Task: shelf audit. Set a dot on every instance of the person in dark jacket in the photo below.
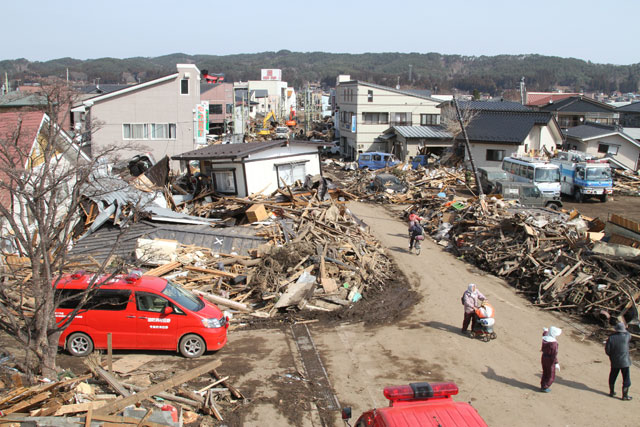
(617, 348)
(414, 231)
(549, 357)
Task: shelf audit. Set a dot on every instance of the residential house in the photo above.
(24, 136)
(605, 141)
(257, 167)
(539, 99)
(366, 110)
(577, 110)
(498, 129)
(220, 99)
(158, 116)
(630, 115)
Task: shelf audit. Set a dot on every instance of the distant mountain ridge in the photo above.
(438, 72)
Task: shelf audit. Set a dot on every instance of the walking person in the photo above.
(617, 348)
(471, 300)
(549, 358)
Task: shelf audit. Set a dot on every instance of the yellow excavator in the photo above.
(266, 129)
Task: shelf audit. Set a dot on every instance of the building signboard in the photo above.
(271, 74)
(202, 122)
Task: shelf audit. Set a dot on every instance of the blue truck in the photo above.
(582, 176)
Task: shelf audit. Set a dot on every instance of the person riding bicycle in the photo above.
(415, 230)
(413, 219)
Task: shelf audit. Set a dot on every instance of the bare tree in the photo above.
(42, 186)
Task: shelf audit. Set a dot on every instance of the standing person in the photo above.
(617, 348)
(471, 300)
(549, 357)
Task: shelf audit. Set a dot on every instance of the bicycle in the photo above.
(416, 245)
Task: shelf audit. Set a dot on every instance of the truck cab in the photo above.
(419, 404)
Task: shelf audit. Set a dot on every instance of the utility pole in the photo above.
(410, 77)
(468, 146)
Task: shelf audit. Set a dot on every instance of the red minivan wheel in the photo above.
(192, 345)
(79, 344)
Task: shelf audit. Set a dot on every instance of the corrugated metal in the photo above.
(224, 240)
(432, 132)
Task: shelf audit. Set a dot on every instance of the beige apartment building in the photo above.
(158, 117)
(366, 110)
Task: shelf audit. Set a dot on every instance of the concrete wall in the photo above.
(479, 152)
(158, 103)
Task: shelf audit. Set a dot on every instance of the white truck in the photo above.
(582, 176)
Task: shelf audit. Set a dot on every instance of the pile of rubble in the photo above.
(558, 260)
(626, 183)
(109, 395)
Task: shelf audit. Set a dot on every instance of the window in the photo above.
(150, 302)
(401, 119)
(375, 118)
(215, 108)
(135, 131)
(370, 96)
(229, 108)
(224, 181)
(109, 299)
(430, 120)
(608, 149)
(492, 155)
(184, 87)
(290, 173)
(163, 131)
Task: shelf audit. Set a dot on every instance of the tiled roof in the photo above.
(29, 126)
(630, 108)
(504, 127)
(493, 106)
(578, 104)
(426, 132)
(230, 151)
(543, 98)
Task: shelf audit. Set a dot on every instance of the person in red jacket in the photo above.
(549, 357)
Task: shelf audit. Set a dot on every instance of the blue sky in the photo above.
(599, 31)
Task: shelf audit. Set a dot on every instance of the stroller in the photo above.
(483, 323)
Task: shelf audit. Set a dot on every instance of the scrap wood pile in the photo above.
(317, 256)
(626, 183)
(421, 182)
(546, 255)
(110, 398)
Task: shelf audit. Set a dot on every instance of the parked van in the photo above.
(282, 132)
(376, 160)
(141, 313)
(527, 194)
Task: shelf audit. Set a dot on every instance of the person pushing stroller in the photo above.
(471, 299)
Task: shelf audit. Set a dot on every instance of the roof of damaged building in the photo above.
(239, 151)
(111, 240)
(438, 132)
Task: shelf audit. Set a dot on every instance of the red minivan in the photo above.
(141, 313)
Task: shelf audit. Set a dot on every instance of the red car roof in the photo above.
(436, 412)
(145, 282)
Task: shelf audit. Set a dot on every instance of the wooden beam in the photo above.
(183, 377)
(222, 301)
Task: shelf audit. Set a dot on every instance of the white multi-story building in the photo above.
(366, 110)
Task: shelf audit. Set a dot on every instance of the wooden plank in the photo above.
(210, 271)
(115, 419)
(79, 407)
(112, 381)
(195, 402)
(26, 403)
(222, 301)
(163, 269)
(157, 388)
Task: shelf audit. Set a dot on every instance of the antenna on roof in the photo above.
(398, 84)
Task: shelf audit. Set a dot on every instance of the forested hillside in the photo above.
(492, 74)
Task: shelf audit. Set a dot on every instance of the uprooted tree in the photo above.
(43, 181)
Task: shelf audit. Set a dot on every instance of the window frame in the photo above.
(184, 87)
(212, 173)
(280, 166)
(145, 131)
(493, 158)
(430, 121)
(171, 131)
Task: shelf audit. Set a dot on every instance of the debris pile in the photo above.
(556, 259)
(110, 398)
(626, 183)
